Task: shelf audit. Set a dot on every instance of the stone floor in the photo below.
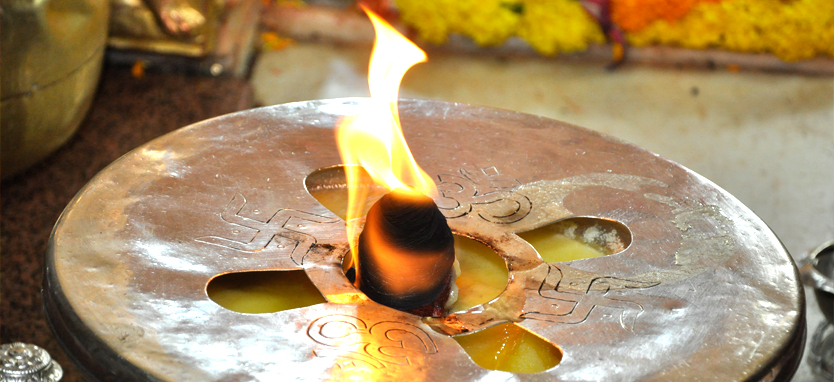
(766, 138)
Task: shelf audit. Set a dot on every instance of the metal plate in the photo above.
(705, 291)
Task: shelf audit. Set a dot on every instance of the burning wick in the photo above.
(405, 255)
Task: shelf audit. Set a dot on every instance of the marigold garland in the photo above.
(554, 26)
(550, 26)
(791, 29)
(486, 22)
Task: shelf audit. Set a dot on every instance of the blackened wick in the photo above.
(406, 254)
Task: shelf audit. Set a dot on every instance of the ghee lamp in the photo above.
(694, 286)
(148, 266)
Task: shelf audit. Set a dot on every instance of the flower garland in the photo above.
(550, 26)
(791, 29)
(554, 26)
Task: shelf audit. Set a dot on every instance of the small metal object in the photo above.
(702, 286)
(185, 27)
(21, 362)
(818, 272)
(821, 358)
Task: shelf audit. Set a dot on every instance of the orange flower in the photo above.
(634, 15)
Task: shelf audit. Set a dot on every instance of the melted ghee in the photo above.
(558, 243)
(509, 347)
(483, 274)
(335, 199)
(263, 291)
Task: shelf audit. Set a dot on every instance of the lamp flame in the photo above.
(373, 138)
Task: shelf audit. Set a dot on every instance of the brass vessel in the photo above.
(52, 52)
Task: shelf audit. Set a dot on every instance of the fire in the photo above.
(373, 138)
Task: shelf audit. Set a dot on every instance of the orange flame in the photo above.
(373, 138)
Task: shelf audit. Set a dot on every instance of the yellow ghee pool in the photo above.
(335, 199)
(264, 291)
(559, 242)
(483, 274)
(509, 347)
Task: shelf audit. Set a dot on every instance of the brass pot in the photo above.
(52, 52)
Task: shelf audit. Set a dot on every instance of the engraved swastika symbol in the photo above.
(571, 299)
(351, 340)
(284, 223)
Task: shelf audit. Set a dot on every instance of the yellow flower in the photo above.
(554, 26)
(792, 30)
(486, 22)
(549, 26)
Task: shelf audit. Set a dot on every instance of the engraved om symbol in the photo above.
(384, 343)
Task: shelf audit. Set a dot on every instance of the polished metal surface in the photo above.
(21, 362)
(704, 290)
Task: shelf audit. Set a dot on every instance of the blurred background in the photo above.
(740, 91)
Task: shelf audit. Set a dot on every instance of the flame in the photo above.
(373, 138)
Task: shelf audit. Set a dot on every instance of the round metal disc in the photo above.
(704, 291)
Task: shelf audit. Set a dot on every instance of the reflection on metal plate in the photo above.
(703, 284)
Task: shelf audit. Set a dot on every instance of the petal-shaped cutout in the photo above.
(510, 347)
(329, 187)
(578, 238)
(483, 274)
(264, 291)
